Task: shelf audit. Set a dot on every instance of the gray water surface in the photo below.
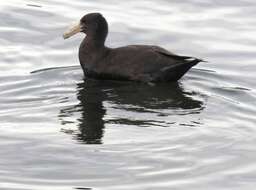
(61, 132)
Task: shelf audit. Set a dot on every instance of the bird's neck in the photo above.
(93, 43)
(91, 49)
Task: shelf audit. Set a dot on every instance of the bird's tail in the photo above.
(175, 72)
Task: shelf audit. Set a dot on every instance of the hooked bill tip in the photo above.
(65, 36)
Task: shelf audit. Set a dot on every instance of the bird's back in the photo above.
(143, 63)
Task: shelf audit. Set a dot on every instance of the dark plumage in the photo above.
(134, 62)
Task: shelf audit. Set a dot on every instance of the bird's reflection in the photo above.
(91, 123)
(126, 96)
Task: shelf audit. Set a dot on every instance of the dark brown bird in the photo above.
(134, 62)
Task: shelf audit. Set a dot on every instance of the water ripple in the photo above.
(59, 131)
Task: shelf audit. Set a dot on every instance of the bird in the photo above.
(142, 63)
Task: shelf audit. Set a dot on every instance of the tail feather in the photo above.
(175, 72)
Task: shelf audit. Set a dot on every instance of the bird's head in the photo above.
(92, 24)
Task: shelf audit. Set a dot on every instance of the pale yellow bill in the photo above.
(72, 31)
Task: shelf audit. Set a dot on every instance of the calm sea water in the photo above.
(59, 132)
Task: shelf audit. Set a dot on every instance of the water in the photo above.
(61, 132)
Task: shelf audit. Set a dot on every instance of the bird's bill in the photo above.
(72, 31)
